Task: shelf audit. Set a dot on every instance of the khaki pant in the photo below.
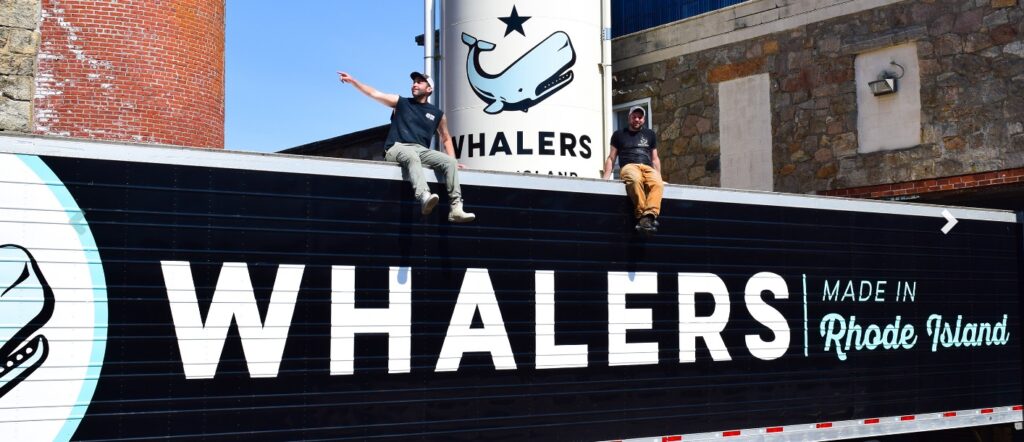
(413, 157)
(644, 187)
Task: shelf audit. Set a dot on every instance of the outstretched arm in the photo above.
(609, 162)
(446, 138)
(389, 100)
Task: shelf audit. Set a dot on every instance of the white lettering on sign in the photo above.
(263, 341)
(477, 294)
(622, 319)
(766, 315)
(550, 355)
(201, 343)
(708, 327)
(846, 335)
(347, 320)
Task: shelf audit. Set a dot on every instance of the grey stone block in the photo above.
(16, 87)
(22, 14)
(868, 43)
(996, 18)
(1013, 108)
(949, 44)
(910, 34)
(1015, 48)
(969, 21)
(992, 91)
(977, 42)
(17, 64)
(970, 65)
(942, 25)
(22, 41)
(15, 115)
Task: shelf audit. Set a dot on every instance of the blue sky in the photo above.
(282, 89)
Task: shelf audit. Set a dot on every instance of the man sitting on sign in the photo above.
(640, 169)
(413, 123)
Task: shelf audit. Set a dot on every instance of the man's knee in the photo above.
(406, 159)
(630, 173)
(444, 163)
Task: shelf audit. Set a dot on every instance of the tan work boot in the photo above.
(457, 215)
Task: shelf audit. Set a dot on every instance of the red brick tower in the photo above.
(142, 71)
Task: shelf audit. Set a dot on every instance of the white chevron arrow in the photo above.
(950, 221)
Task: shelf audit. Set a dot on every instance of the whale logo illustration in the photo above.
(53, 305)
(536, 75)
(26, 303)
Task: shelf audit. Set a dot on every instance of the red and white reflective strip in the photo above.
(875, 426)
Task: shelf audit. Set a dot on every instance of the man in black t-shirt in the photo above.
(413, 123)
(640, 169)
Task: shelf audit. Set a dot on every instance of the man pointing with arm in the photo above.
(413, 123)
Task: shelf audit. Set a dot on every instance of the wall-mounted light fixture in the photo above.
(886, 83)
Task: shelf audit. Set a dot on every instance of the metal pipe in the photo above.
(606, 74)
(428, 45)
(441, 72)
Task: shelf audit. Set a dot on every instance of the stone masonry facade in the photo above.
(19, 44)
(971, 58)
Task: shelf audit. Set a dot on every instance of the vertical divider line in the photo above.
(805, 315)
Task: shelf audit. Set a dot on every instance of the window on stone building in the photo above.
(745, 120)
(620, 112)
(620, 115)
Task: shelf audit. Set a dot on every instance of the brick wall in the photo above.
(919, 187)
(133, 70)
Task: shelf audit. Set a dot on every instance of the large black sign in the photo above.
(239, 303)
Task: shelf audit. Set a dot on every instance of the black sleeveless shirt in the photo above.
(413, 123)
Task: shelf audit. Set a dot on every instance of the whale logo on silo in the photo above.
(533, 77)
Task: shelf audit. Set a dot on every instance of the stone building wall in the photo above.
(19, 43)
(971, 59)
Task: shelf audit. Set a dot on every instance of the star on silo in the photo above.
(514, 22)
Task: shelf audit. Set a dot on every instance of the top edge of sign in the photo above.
(287, 163)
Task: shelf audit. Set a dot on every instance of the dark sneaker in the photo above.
(653, 221)
(644, 225)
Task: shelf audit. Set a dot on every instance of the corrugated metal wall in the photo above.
(629, 16)
(549, 264)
